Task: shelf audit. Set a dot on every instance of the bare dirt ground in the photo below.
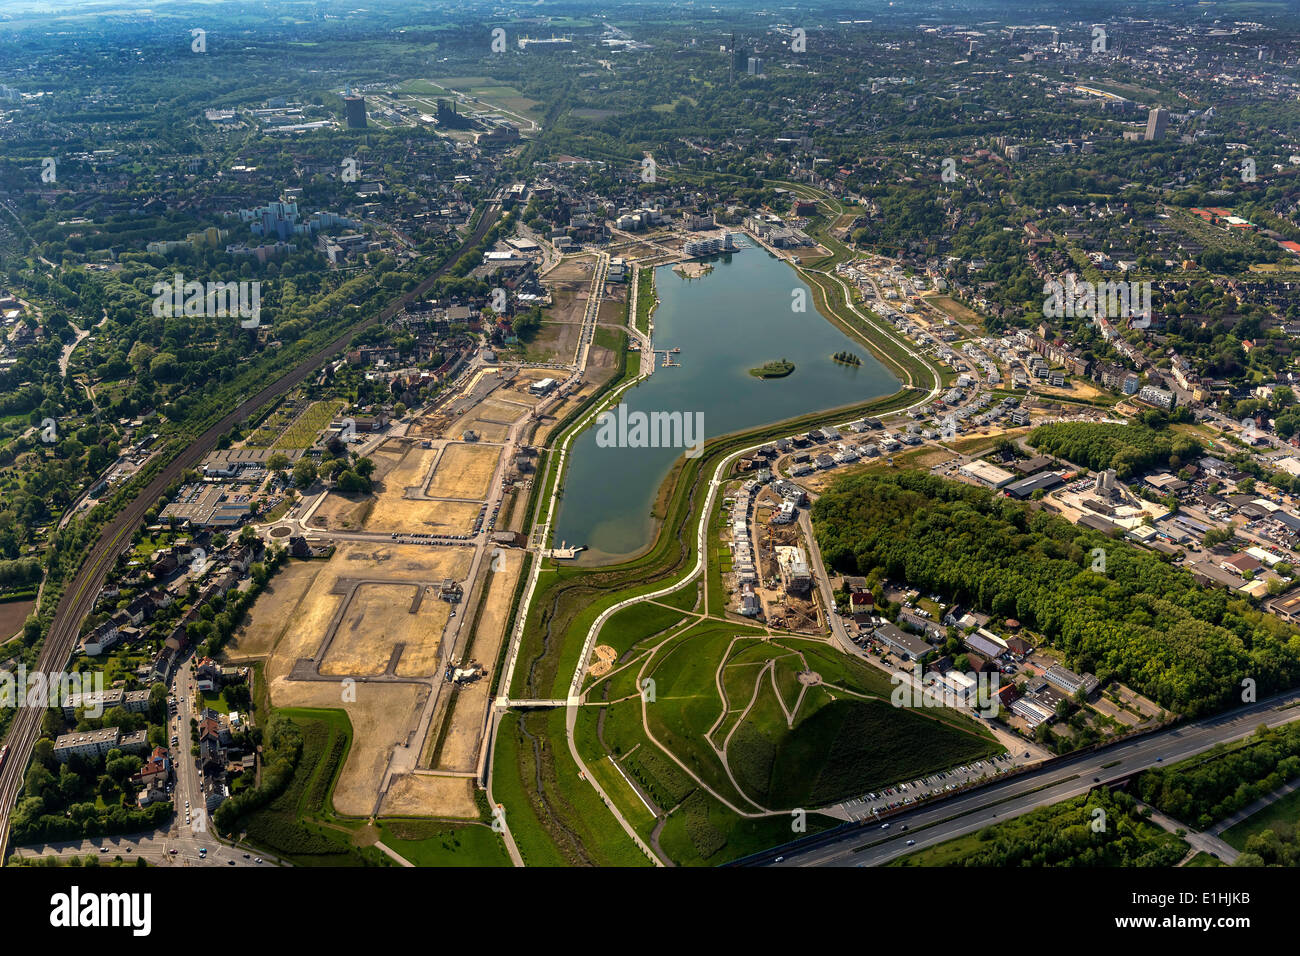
(342, 512)
(411, 468)
(13, 614)
(464, 471)
(426, 794)
(300, 621)
(614, 305)
(377, 619)
(1079, 391)
(810, 253)
(274, 611)
(464, 735)
(290, 620)
(381, 716)
(391, 513)
(953, 308)
(556, 340)
(603, 657)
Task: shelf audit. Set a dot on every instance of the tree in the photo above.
(304, 473)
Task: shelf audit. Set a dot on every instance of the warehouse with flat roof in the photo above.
(989, 475)
(1025, 487)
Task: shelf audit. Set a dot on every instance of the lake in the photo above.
(737, 317)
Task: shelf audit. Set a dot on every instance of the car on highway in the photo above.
(911, 843)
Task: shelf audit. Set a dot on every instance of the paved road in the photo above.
(154, 847)
(942, 821)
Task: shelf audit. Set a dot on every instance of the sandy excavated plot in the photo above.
(311, 601)
(460, 746)
(341, 512)
(410, 470)
(275, 610)
(381, 716)
(602, 660)
(487, 431)
(464, 471)
(486, 420)
(394, 513)
(291, 619)
(429, 795)
(376, 621)
(506, 407)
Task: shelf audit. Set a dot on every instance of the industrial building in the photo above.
(907, 646)
(1025, 487)
(988, 475)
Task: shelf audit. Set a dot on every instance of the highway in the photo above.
(79, 598)
(937, 822)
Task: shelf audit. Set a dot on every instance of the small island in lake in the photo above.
(846, 358)
(773, 369)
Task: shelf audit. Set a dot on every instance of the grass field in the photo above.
(485, 92)
(1279, 814)
(437, 843)
(633, 624)
(646, 299)
(556, 818)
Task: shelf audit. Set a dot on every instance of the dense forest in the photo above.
(1142, 622)
(1129, 449)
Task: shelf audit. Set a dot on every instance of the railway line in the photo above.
(79, 599)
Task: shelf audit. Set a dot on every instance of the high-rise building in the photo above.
(354, 109)
(755, 66)
(739, 58)
(1157, 121)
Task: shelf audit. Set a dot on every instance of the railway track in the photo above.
(79, 599)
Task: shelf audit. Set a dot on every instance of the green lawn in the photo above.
(1285, 811)
(437, 843)
(633, 624)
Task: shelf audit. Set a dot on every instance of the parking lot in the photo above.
(913, 791)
